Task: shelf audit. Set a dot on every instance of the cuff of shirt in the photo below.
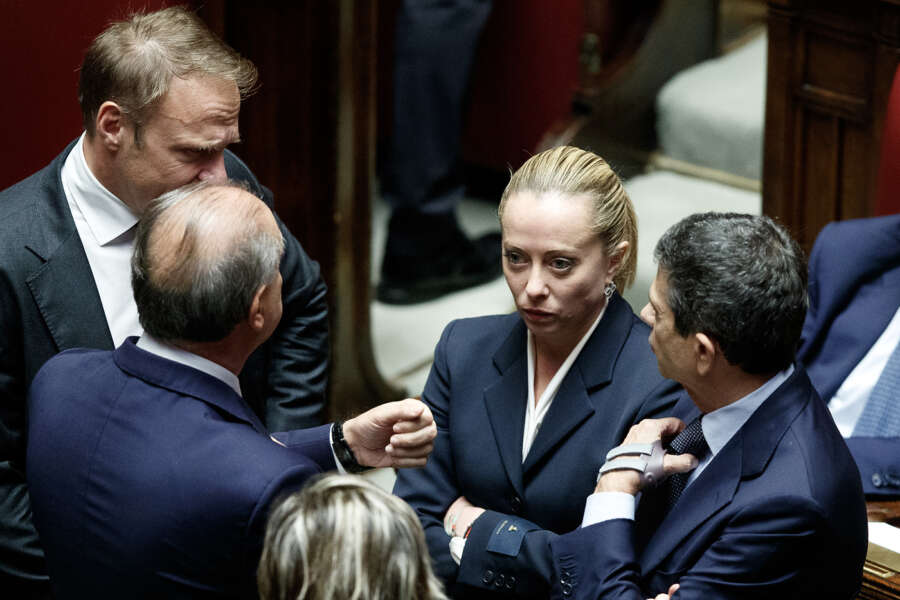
(457, 545)
(606, 506)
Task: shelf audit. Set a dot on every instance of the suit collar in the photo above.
(183, 380)
(745, 456)
(63, 285)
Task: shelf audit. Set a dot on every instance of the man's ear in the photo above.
(111, 125)
(705, 352)
(615, 259)
(256, 318)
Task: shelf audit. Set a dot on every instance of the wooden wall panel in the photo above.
(830, 67)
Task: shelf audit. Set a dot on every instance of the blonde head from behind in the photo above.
(576, 172)
(343, 538)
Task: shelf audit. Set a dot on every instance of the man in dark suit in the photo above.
(766, 502)
(851, 330)
(160, 97)
(150, 476)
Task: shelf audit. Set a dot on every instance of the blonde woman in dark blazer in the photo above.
(528, 404)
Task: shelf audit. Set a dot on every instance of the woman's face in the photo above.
(555, 266)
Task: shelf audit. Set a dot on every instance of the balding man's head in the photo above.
(201, 254)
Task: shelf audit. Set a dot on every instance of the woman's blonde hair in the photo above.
(341, 537)
(576, 172)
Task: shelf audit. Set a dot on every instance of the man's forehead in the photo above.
(201, 99)
(658, 289)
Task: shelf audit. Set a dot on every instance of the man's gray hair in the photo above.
(740, 279)
(133, 61)
(343, 537)
(196, 266)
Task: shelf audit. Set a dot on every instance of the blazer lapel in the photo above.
(592, 369)
(570, 408)
(505, 403)
(63, 289)
(704, 497)
(63, 286)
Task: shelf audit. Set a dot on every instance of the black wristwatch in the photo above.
(342, 450)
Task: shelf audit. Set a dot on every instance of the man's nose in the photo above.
(647, 314)
(214, 170)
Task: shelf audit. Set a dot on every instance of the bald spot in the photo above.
(201, 229)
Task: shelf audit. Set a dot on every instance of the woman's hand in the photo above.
(460, 516)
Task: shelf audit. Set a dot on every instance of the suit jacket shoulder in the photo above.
(152, 478)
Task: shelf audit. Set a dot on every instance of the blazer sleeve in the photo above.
(295, 366)
(313, 443)
(772, 549)
(878, 460)
(812, 323)
(431, 489)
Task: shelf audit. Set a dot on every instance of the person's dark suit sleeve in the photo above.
(878, 460)
(298, 349)
(431, 489)
(314, 443)
(769, 550)
(810, 322)
(295, 360)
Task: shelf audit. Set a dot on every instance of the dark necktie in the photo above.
(689, 441)
(881, 416)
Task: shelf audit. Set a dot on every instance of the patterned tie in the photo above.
(689, 441)
(881, 416)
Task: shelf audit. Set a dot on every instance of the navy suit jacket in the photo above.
(778, 513)
(854, 291)
(49, 302)
(150, 479)
(477, 391)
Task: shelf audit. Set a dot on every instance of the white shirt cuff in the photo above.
(606, 506)
(457, 545)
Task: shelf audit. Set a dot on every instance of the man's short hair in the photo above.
(740, 279)
(132, 62)
(193, 279)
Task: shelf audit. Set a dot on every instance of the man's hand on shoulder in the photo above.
(394, 434)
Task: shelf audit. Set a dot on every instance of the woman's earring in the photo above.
(609, 289)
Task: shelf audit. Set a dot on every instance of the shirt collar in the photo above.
(721, 424)
(170, 352)
(107, 217)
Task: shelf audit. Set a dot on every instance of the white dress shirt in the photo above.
(719, 426)
(850, 399)
(106, 229)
